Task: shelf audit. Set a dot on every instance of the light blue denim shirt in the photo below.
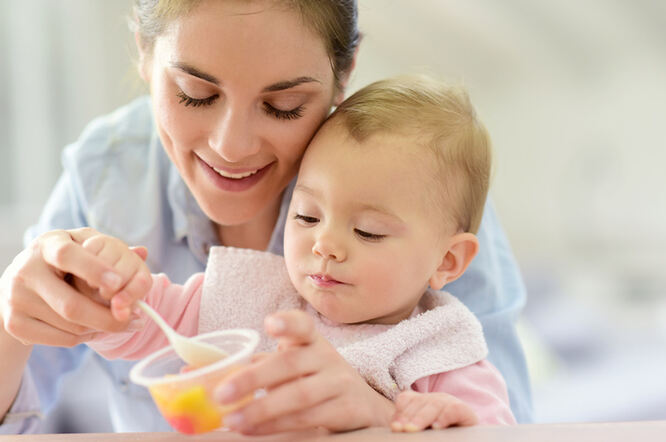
(118, 180)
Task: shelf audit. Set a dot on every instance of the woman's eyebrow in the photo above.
(282, 85)
(279, 86)
(195, 72)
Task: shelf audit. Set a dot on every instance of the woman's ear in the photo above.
(340, 96)
(144, 70)
(463, 247)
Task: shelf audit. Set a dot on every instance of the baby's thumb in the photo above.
(291, 327)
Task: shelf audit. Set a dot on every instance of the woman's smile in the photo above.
(236, 181)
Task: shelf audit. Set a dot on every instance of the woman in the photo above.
(237, 89)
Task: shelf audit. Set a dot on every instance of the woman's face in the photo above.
(238, 88)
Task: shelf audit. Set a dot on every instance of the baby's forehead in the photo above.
(398, 158)
(394, 156)
(404, 140)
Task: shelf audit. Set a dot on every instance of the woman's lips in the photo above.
(233, 181)
(324, 280)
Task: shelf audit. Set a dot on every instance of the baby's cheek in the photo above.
(294, 260)
(383, 292)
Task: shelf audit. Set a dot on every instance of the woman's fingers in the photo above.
(42, 333)
(63, 251)
(68, 303)
(27, 301)
(41, 325)
(37, 303)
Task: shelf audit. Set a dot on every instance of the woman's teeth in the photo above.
(235, 176)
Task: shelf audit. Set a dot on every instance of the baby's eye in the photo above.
(369, 236)
(305, 219)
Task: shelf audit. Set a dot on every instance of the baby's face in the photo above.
(362, 239)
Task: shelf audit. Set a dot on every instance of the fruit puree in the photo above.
(190, 408)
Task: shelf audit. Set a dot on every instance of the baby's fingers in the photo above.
(129, 264)
(291, 327)
(136, 288)
(456, 413)
(141, 252)
(114, 253)
(259, 356)
(414, 412)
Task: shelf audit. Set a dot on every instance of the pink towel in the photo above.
(242, 286)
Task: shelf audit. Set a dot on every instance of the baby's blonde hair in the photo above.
(441, 117)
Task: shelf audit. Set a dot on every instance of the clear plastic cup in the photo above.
(184, 395)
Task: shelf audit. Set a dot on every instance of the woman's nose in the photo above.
(234, 137)
(327, 247)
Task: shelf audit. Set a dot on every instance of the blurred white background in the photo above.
(574, 96)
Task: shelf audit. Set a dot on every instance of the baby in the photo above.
(389, 195)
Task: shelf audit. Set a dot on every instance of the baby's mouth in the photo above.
(324, 280)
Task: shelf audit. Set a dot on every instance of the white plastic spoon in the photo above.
(195, 353)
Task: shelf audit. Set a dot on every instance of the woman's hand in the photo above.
(308, 384)
(39, 306)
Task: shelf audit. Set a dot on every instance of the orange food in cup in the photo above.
(184, 394)
(192, 409)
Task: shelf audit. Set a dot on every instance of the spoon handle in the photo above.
(155, 317)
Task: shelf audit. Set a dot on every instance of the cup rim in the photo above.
(146, 381)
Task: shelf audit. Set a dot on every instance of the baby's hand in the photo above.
(129, 264)
(418, 411)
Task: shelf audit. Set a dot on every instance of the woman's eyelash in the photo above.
(369, 236)
(195, 102)
(306, 219)
(292, 114)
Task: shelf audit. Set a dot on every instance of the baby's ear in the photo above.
(463, 247)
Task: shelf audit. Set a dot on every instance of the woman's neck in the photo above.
(254, 234)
